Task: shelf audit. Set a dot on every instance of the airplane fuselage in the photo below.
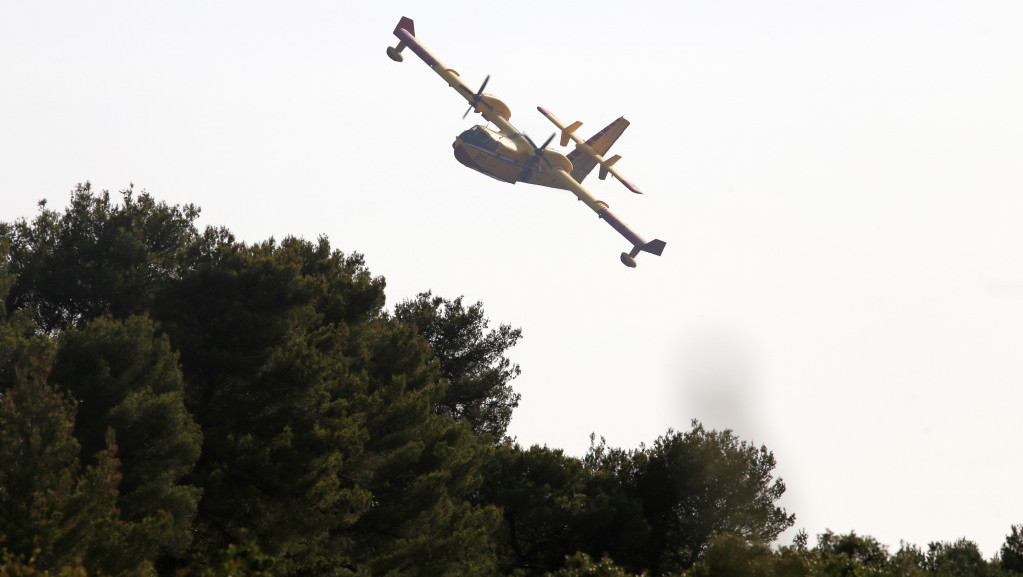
(495, 155)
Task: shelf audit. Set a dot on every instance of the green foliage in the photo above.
(960, 558)
(653, 509)
(471, 359)
(836, 555)
(24, 353)
(269, 387)
(321, 441)
(849, 555)
(908, 561)
(97, 257)
(729, 555)
(541, 494)
(1011, 554)
(124, 378)
(314, 411)
(178, 402)
(581, 565)
(6, 277)
(241, 561)
(695, 484)
(56, 511)
(19, 566)
(425, 464)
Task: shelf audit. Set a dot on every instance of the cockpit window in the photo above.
(479, 136)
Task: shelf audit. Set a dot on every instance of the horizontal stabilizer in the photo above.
(607, 164)
(588, 154)
(566, 133)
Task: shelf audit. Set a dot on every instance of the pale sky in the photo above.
(840, 185)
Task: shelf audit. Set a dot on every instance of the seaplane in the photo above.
(510, 155)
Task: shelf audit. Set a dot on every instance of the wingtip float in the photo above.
(508, 155)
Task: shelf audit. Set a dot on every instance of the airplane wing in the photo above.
(655, 247)
(492, 109)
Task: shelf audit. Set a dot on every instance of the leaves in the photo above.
(176, 401)
(97, 258)
(125, 381)
(471, 360)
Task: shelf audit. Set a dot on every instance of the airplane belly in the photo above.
(483, 161)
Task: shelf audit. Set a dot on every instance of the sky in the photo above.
(839, 184)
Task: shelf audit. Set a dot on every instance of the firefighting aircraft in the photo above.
(511, 156)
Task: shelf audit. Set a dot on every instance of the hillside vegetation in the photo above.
(176, 402)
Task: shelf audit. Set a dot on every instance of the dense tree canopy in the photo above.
(1012, 550)
(471, 360)
(97, 257)
(173, 401)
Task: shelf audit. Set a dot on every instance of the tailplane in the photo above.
(600, 142)
(655, 246)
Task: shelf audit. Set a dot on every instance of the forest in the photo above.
(174, 401)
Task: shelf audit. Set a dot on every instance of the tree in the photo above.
(6, 278)
(1011, 554)
(54, 510)
(320, 439)
(651, 510)
(58, 509)
(124, 379)
(420, 466)
(849, 555)
(540, 492)
(471, 359)
(908, 561)
(260, 397)
(960, 558)
(320, 442)
(268, 385)
(96, 258)
(732, 556)
(582, 565)
(695, 484)
(613, 523)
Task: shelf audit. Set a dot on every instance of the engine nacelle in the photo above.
(498, 106)
(558, 160)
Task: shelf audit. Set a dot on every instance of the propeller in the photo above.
(537, 153)
(477, 98)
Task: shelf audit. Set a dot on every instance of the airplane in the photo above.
(509, 155)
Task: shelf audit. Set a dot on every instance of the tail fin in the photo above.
(655, 246)
(582, 163)
(405, 24)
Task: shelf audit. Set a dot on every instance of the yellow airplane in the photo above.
(510, 156)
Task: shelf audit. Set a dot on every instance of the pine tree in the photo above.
(125, 379)
(54, 510)
(420, 467)
(1011, 553)
(698, 483)
(97, 257)
(472, 360)
(320, 443)
(264, 380)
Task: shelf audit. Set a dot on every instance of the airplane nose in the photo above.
(463, 156)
